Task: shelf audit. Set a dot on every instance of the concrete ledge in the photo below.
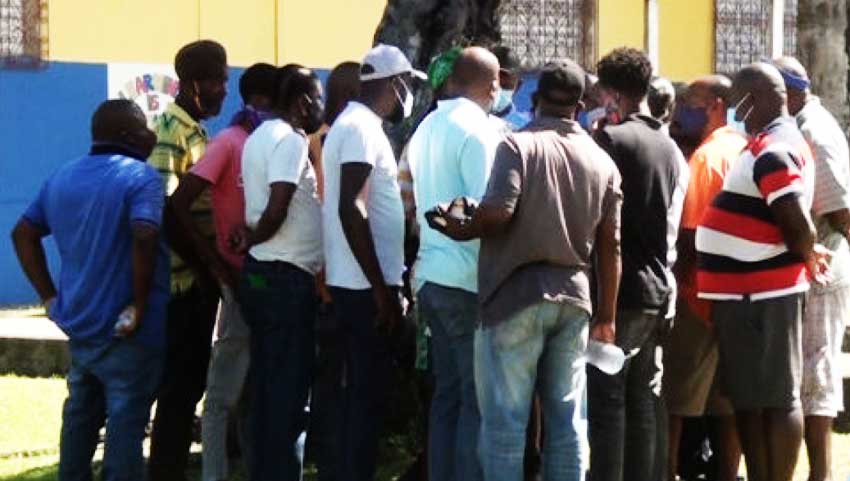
(34, 357)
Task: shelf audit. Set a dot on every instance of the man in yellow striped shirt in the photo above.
(202, 69)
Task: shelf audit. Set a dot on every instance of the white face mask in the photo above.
(740, 124)
(406, 102)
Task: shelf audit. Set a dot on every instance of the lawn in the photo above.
(30, 412)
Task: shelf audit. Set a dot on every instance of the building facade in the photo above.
(60, 58)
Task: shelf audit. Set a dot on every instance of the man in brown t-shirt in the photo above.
(553, 199)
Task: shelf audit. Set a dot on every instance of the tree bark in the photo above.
(823, 41)
(424, 28)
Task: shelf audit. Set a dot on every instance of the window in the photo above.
(744, 31)
(23, 32)
(539, 31)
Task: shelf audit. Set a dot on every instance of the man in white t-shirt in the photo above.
(277, 292)
(363, 227)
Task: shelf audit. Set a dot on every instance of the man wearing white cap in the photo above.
(363, 228)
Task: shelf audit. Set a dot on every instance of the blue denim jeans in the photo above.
(541, 346)
(113, 382)
(279, 306)
(627, 418)
(367, 358)
(454, 420)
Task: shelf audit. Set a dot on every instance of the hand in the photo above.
(389, 310)
(603, 332)
(48, 305)
(239, 240)
(455, 228)
(127, 323)
(818, 264)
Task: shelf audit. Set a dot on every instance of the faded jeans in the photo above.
(541, 346)
(628, 429)
(454, 420)
(113, 383)
(225, 392)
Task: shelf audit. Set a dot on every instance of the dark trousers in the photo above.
(626, 416)
(279, 305)
(191, 318)
(365, 385)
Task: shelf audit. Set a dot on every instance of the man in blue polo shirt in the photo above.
(104, 211)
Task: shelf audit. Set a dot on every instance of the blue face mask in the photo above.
(691, 121)
(588, 118)
(735, 124)
(503, 101)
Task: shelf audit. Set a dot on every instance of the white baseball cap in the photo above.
(388, 61)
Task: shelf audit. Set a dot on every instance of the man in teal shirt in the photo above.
(450, 156)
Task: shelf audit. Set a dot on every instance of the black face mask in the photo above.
(315, 116)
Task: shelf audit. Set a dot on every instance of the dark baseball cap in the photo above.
(561, 82)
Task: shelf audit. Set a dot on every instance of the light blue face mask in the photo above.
(503, 101)
(736, 125)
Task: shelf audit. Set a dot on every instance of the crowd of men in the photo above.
(704, 236)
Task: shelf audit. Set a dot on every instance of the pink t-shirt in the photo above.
(221, 165)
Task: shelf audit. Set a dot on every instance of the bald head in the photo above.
(760, 95)
(711, 87)
(476, 76)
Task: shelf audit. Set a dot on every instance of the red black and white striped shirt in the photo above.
(741, 251)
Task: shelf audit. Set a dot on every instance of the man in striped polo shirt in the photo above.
(755, 244)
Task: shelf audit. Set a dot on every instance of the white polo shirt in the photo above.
(276, 153)
(357, 136)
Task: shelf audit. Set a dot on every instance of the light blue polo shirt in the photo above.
(450, 156)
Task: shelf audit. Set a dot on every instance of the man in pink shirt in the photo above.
(220, 171)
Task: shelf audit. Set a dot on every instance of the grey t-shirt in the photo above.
(560, 186)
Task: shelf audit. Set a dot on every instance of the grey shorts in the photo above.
(761, 351)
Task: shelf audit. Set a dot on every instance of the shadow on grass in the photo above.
(44, 473)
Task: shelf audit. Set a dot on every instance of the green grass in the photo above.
(30, 419)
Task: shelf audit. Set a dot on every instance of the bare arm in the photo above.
(795, 224)
(840, 221)
(274, 215)
(686, 262)
(145, 239)
(27, 240)
(355, 226)
(487, 221)
(608, 270)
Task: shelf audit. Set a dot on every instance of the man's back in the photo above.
(562, 185)
(450, 156)
(88, 206)
(655, 177)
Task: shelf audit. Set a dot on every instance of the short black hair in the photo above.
(627, 71)
(508, 60)
(204, 59)
(661, 97)
(258, 79)
(296, 83)
(114, 117)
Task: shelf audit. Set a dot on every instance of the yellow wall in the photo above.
(316, 33)
(622, 23)
(121, 30)
(326, 32)
(686, 38)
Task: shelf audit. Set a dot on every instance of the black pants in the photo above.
(626, 417)
(189, 327)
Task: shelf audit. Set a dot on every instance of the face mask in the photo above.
(588, 119)
(691, 121)
(406, 102)
(503, 101)
(315, 116)
(739, 124)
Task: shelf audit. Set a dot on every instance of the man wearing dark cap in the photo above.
(828, 306)
(553, 199)
(626, 417)
(181, 141)
(756, 255)
(104, 211)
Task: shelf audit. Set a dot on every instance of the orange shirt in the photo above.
(708, 164)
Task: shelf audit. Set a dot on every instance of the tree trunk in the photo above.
(822, 47)
(424, 28)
